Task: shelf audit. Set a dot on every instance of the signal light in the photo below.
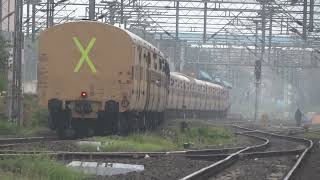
(84, 94)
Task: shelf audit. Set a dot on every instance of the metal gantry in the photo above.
(193, 20)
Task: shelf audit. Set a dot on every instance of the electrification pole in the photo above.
(28, 18)
(92, 7)
(16, 92)
(0, 15)
(311, 15)
(50, 13)
(33, 22)
(258, 63)
(305, 16)
(205, 14)
(177, 44)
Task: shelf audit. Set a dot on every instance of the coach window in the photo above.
(149, 58)
(140, 52)
(160, 64)
(164, 66)
(155, 66)
(154, 60)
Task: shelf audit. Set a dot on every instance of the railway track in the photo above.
(222, 158)
(66, 155)
(230, 159)
(69, 155)
(9, 142)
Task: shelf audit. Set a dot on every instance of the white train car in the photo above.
(195, 97)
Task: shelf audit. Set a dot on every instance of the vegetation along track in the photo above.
(275, 146)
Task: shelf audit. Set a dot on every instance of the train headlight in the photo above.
(84, 94)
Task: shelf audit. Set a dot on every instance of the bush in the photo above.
(35, 116)
(39, 117)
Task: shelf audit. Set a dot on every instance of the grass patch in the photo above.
(312, 135)
(135, 142)
(36, 167)
(200, 135)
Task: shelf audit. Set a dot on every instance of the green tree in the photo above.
(4, 56)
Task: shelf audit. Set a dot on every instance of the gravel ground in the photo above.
(310, 169)
(157, 168)
(258, 169)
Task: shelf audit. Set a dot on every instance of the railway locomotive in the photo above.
(98, 78)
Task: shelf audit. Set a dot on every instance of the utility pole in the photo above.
(258, 63)
(16, 91)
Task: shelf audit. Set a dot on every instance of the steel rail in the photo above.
(27, 139)
(302, 157)
(229, 159)
(247, 155)
(217, 167)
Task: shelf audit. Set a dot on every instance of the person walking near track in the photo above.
(298, 117)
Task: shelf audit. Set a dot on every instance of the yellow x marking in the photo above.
(85, 54)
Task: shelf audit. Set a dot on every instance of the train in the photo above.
(96, 78)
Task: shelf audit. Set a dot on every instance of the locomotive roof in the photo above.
(178, 75)
(198, 80)
(135, 38)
